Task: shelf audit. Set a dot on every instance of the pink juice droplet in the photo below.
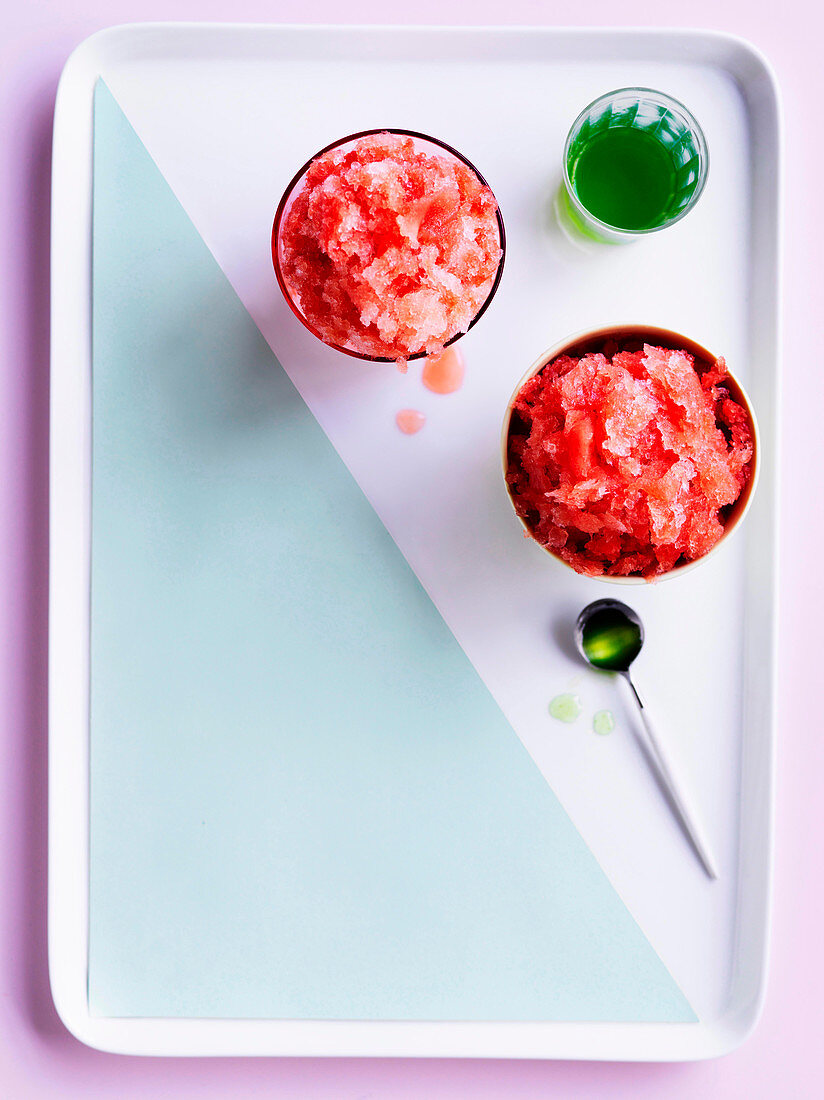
(410, 421)
(444, 373)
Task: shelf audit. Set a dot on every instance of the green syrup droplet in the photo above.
(565, 708)
(603, 722)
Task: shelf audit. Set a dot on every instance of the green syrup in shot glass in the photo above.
(635, 161)
(626, 178)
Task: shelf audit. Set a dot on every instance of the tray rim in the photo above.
(68, 803)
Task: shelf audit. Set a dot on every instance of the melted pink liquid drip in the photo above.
(444, 373)
(410, 421)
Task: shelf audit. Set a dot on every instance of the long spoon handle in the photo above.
(660, 764)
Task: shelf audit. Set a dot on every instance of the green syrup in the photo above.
(625, 177)
(566, 707)
(611, 640)
(603, 722)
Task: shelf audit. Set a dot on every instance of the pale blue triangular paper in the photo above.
(304, 801)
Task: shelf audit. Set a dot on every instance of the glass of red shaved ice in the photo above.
(388, 245)
(629, 453)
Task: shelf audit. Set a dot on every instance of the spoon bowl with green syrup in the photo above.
(609, 636)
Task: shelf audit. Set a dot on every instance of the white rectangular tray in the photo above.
(506, 97)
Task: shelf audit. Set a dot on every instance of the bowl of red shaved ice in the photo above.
(388, 245)
(630, 453)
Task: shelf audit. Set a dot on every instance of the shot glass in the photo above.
(635, 162)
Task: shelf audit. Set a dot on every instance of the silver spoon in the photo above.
(609, 635)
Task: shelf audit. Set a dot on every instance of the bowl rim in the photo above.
(295, 180)
(669, 337)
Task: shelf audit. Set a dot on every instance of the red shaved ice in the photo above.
(628, 464)
(387, 250)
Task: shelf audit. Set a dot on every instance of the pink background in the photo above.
(38, 1058)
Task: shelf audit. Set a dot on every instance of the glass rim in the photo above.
(669, 102)
(281, 209)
